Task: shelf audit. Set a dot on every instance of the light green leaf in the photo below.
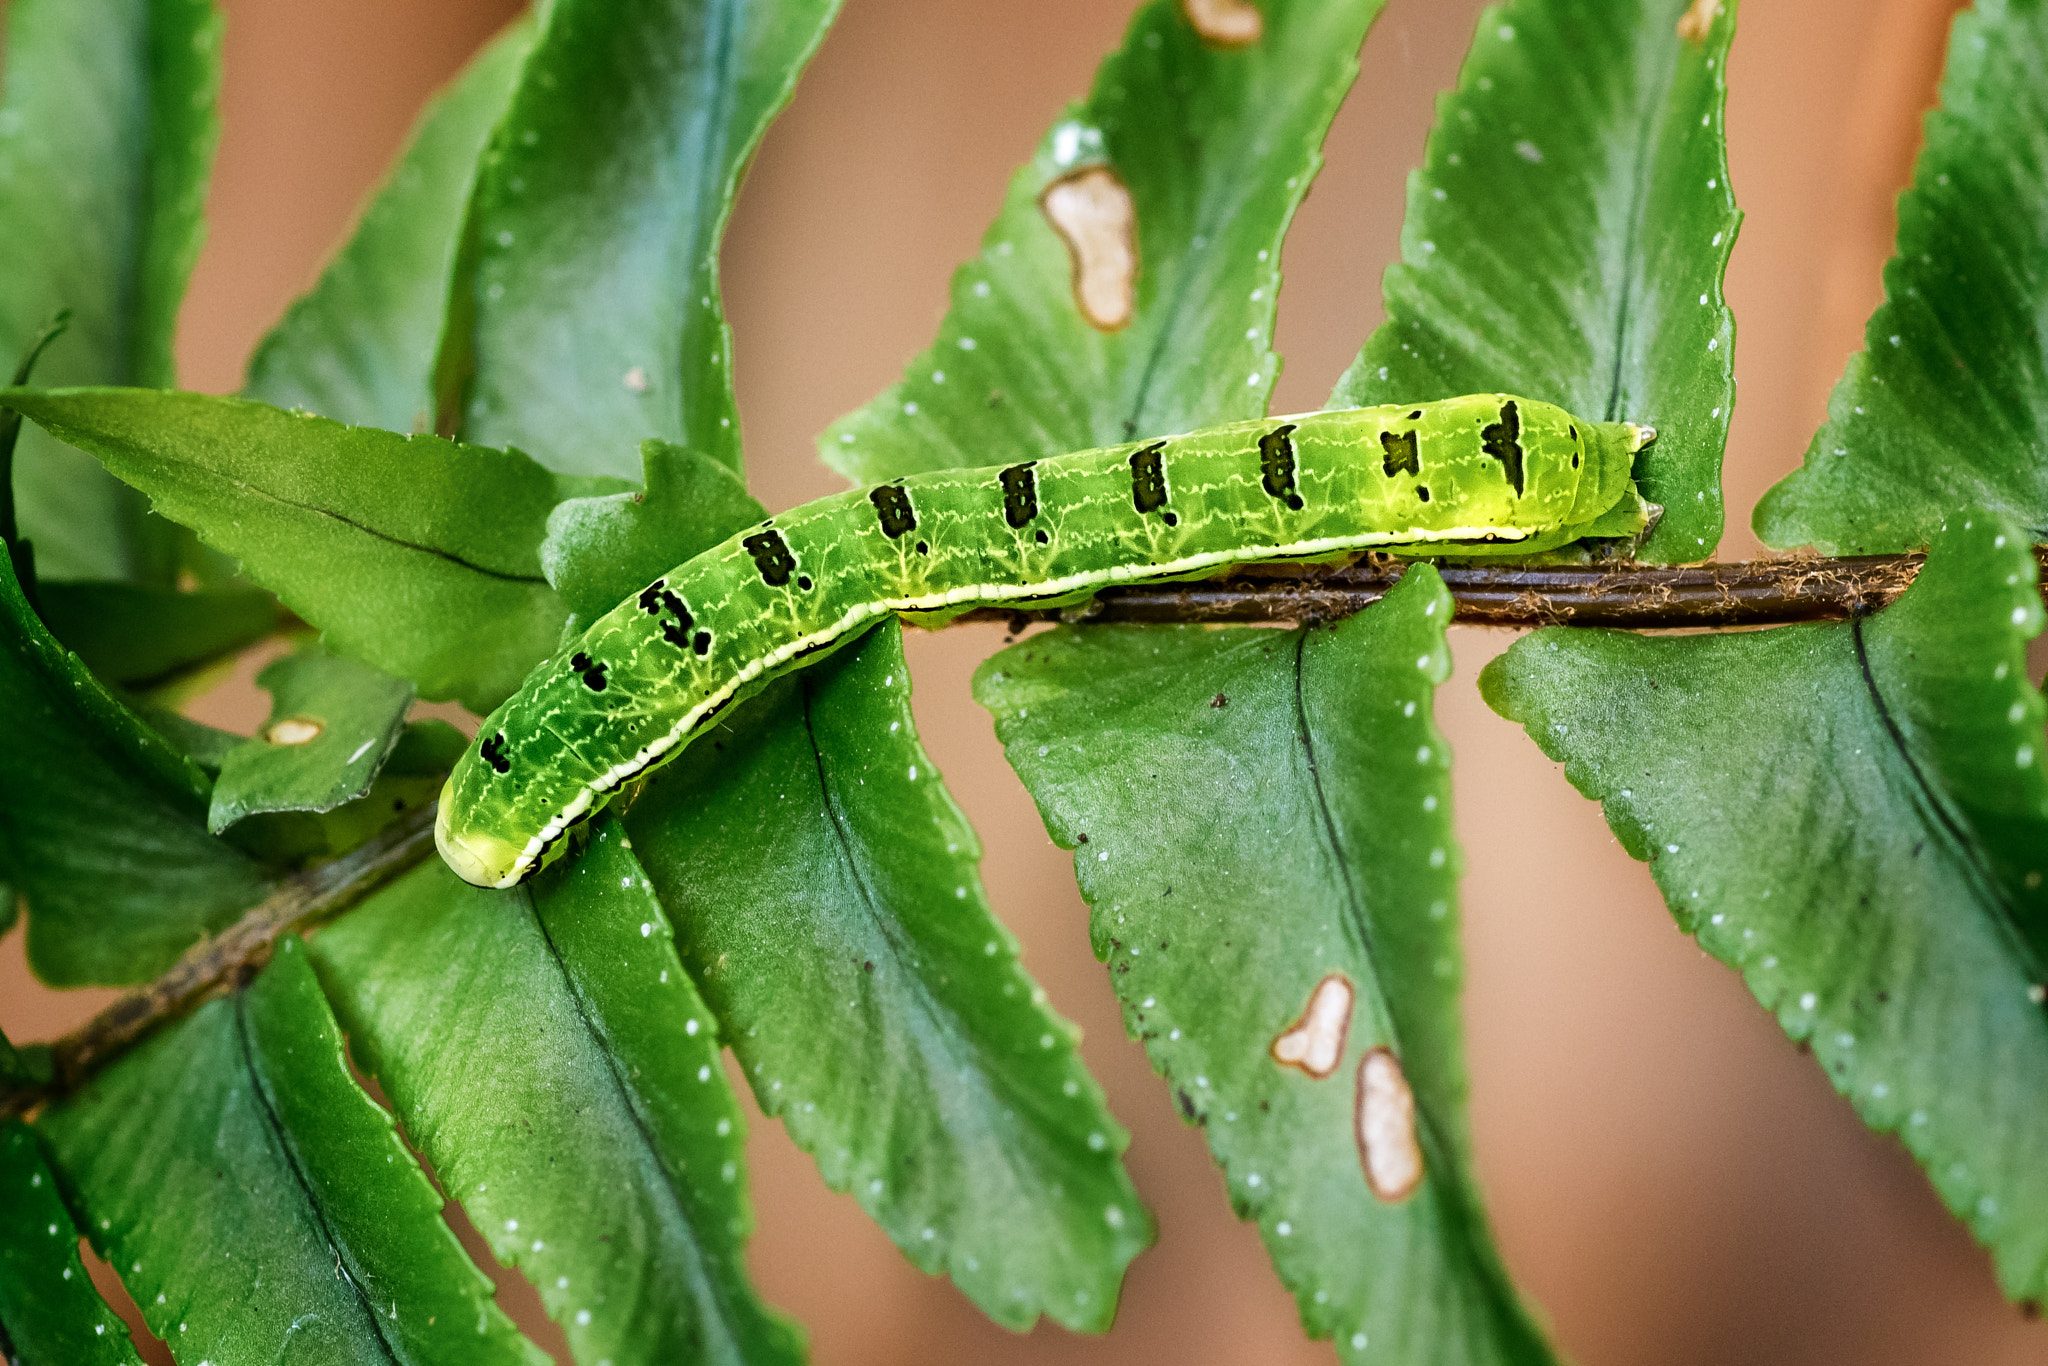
(1853, 816)
(417, 555)
(102, 823)
(360, 347)
(1566, 238)
(332, 722)
(410, 779)
(259, 1206)
(824, 887)
(550, 1057)
(1946, 407)
(1215, 148)
(106, 138)
(600, 551)
(586, 312)
(137, 636)
(49, 1310)
(1261, 820)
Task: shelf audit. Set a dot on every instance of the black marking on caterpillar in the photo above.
(1148, 482)
(1276, 465)
(677, 629)
(493, 752)
(771, 556)
(892, 505)
(1020, 495)
(593, 673)
(1502, 441)
(1400, 454)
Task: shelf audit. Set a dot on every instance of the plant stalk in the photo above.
(1637, 597)
(1624, 595)
(235, 955)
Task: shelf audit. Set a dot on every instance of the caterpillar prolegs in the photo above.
(1485, 475)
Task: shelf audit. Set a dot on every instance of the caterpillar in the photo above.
(1483, 475)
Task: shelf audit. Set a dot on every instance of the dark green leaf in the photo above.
(28, 1065)
(825, 889)
(550, 1057)
(19, 552)
(206, 746)
(259, 1206)
(360, 347)
(1946, 405)
(1853, 816)
(426, 748)
(49, 1311)
(102, 823)
(587, 312)
(1254, 813)
(417, 555)
(1215, 147)
(136, 636)
(599, 551)
(106, 138)
(1566, 237)
(332, 722)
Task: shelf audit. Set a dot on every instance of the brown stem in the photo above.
(233, 956)
(1643, 597)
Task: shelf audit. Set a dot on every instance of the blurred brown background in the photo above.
(1672, 1182)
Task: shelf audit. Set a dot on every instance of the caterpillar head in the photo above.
(477, 857)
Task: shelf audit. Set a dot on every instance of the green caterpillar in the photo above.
(1485, 475)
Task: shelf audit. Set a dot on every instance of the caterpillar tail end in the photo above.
(478, 859)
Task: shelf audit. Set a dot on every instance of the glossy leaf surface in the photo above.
(49, 1310)
(1256, 813)
(1566, 238)
(1946, 407)
(1854, 817)
(259, 1206)
(102, 823)
(587, 314)
(332, 722)
(417, 555)
(1214, 147)
(550, 1057)
(107, 129)
(360, 346)
(824, 890)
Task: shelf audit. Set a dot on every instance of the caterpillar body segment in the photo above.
(1484, 475)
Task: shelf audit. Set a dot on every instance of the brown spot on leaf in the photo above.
(1092, 212)
(1315, 1042)
(1225, 23)
(1697, 20)
(1387, 1148)
(294, 730)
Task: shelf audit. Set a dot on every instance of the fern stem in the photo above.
(1635, 596)
(232, 957)
(1640, 597)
